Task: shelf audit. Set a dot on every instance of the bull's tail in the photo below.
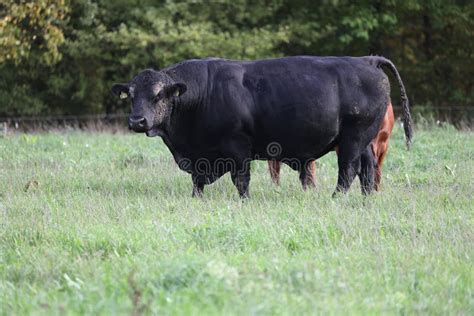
(381, 61)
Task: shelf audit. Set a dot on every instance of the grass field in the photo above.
(104, 224)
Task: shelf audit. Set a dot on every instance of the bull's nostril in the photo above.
(142, 122)
(137, 122)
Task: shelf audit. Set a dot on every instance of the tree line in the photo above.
(60, 57)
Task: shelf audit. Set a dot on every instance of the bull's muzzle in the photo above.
(138, 124)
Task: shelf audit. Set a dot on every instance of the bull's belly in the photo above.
(295, 141)
(312, 148)
(300, 131)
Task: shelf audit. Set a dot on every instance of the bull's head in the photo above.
(153, 95)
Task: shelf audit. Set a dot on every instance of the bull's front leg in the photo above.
(241, 178)
(198, 187)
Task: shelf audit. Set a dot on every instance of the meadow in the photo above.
(102, 223)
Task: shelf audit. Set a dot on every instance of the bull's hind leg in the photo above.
(307, 174)
(349, 165)
(241, 178)
(367, 170)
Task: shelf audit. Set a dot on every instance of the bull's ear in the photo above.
(175, 89)
(121, 90)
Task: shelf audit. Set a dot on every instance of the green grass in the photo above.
(104, 224)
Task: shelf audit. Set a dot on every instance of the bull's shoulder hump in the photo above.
(185, 64)
(210, 64)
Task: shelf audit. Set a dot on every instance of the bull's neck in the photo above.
(184, 108)
(196, 84)
(180, 122)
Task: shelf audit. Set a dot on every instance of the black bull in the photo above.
(217, 115)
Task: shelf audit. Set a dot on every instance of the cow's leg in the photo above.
(378, 170)
(307, 174)
(380, 153)
(274, 169)
(366, 176)
(313, 172)
(198, 187)
(380, 143)
(241, 178)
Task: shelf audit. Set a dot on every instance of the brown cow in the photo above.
(379, 147)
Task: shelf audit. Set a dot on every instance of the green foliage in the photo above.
(61, 57)
(95, 223)
(32, 30)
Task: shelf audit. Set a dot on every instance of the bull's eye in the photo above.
(123, 95)
(158, 97)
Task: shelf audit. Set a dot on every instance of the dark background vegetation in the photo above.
(60, 57)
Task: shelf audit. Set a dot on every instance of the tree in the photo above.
(62, 56)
